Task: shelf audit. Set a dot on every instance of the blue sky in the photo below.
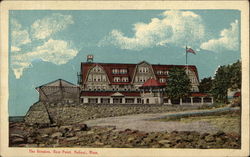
(48, 45)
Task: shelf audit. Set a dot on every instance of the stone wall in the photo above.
(76, 113)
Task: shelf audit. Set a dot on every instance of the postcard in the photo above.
(124, 78)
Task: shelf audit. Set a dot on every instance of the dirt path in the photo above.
(143, 122)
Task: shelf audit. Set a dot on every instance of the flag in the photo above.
(190, 50)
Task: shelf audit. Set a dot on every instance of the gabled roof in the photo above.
(117, 94)
(152, 83)
(108, 69)
(157, 67)
(59, 82)
(86, 66)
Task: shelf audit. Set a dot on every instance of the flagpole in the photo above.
(186, 55)
(186, 60)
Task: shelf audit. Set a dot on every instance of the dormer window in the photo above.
(159, 72)
(123, 71)
(162, 80)
(166, 72)
(143, 70)
(124, 79)
(116, 79)
(115, 71)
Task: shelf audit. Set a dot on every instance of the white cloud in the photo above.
(15, 49)
(19, 36)
(228, 40)
(54, 51)
(175, 27)
(44, 28)
(18, 68)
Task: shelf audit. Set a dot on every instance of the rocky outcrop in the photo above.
(80, 135)
(37, 114)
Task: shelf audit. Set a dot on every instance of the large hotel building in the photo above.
(142, 83)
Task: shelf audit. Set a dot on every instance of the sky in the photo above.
(45, 45)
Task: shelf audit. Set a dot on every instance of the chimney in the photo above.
(90, 58)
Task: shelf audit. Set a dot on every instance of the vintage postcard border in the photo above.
(110, 5)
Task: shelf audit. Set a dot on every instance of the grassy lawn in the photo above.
(226, 122)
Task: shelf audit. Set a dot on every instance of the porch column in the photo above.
(123, 100)
(98, 100)
(169, 101)
(212, 100)
(135, 100)
(192, 101)
(202, 100)
(85, 100)
(111, 100)
(180, 101)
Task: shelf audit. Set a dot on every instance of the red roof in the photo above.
(108, 69)
(157, 67)
(109, 93)
(85, 67)
(152, 83)
(237, 94)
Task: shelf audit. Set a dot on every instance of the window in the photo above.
(90, 78)
(166, 72)
(140, 69)
(143, 69)
(115, 71)
(129, 100)
(116, 79)
(124, 79)
(137, 79)
(141, 79)
(159, 72)
(162, 80)
(123, 71)
(103, 78)
(138, 100)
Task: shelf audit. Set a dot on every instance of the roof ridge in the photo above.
(136, 64)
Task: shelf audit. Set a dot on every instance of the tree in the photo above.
(205, 85)
(235, 70)
(221, 84)
(227, 76)
(178, 84)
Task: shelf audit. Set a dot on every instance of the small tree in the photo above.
(178, 84)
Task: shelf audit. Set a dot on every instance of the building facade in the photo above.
(141, 83)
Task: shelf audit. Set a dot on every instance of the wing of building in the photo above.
(122, 83)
